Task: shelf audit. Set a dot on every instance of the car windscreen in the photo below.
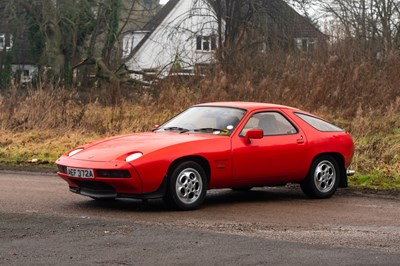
(205, 119)
(319, 124)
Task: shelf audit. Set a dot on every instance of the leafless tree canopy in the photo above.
(374, 24)
(83, 35)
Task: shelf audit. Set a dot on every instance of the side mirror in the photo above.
(253, 134)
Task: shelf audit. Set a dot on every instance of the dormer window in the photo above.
(206, 43)
(4, 42)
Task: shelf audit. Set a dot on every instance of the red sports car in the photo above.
(236, 145)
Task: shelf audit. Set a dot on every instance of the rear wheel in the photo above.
(322, 179)
(187, 186)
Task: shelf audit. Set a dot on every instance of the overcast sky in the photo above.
(163, 1)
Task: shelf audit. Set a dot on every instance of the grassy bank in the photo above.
(377, 158)
(362, 96)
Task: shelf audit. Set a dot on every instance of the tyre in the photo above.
(187, 186)
(322, 179)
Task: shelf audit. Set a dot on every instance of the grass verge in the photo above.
(357, 93)
(38, 149)
(376, 161)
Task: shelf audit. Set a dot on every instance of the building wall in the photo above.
(175, 42)
(26, 72)
(131, 40)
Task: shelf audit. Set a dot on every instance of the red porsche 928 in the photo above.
(236, 145)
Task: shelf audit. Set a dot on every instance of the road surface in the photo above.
(42, 223)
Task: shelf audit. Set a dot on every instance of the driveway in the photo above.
(41, 222)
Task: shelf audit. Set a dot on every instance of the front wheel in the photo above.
(187, 186)
(322, 179)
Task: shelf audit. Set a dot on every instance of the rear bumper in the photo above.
(350, 172)
(344, 180)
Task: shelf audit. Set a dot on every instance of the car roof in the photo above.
(247, 105)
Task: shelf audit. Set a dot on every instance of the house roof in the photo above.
(281, 18)
(160, 16)
(286, 21)
(156, 21)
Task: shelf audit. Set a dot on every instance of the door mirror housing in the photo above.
(253, 134)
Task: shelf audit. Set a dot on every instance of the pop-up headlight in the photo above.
(72, 153)
(133, 157)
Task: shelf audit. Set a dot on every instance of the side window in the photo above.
(319, 124)
(271, 123)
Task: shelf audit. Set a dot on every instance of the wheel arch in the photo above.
(195, 158)
(343, 181)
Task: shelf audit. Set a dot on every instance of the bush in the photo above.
(359, 94)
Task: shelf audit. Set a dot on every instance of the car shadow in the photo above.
(214, 198)
(268, 194)
(124, 205)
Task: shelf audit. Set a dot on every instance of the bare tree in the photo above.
(373, 23)
(44, 15)
(81, 36)
(234, 19)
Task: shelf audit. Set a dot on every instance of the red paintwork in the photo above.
(232, 160)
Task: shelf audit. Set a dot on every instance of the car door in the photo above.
(279, 156)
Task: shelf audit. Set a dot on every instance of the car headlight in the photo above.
(133, 157)
(72, 153)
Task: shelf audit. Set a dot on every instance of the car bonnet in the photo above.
(117, 147)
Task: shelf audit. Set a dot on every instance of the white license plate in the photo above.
(82, 173)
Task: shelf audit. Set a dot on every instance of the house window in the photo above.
(148, 3)
(127, 46)
(26, 73)
(308, 45)
(2, 41)
(305, 44)
(206, 43)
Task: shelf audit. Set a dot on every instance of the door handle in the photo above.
(300, 140)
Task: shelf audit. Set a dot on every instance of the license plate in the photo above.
(81, 173)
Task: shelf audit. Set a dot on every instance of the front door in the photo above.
(280, 156)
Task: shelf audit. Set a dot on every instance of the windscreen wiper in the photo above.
(180, 129)
(207, 129)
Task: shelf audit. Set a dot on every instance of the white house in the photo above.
(182, 35)
(22, 62)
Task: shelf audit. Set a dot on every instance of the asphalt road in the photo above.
(42, 223)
